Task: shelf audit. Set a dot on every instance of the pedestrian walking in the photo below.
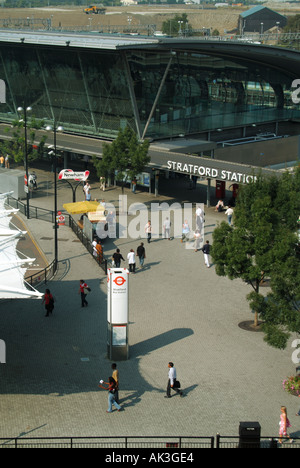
(148, 231)
(172, 381)
(111, 387)
(117, 257)
(84, 289)
(185, 231)
(115, 376)
(87, 191)
(99, 250)
(131, 261)
(133, 184)
(206, 250)
(284, 424)
(197, 237)
(141, 253)
(102, 183)
(94, 245)
(167, 228)
(229, 213)
(48, 300)
(7, 165)
(199, 218)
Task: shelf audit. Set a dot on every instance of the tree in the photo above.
(15, 147)
(179, 24)
(125, 156)
(262, 244)
(292, 26)
(280, 310)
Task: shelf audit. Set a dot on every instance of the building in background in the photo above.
(260, 19)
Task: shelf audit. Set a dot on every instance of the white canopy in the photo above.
(12, 283)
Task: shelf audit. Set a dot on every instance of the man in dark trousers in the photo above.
(206, 251)
(141, 253)
(117, 257)
(172, 382)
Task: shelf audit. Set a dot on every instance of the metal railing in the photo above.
(42, 276)
(34, 211)
(109, 442)
(48, 215)
(172, 443)
(102, 262)
(260, 442)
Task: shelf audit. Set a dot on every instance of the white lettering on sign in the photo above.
(211, 173)
(66, 174)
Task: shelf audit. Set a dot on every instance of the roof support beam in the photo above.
(132, 95)
(157, 96)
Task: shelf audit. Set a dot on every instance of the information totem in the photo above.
(117, 314)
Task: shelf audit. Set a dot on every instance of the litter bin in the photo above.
(249, 433)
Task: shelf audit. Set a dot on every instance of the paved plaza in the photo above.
(180, 311)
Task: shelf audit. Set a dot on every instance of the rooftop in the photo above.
(257, 9)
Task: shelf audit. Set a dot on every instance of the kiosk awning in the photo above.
(83, 207)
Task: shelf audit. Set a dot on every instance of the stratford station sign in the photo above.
(205, 167)
(211, 172)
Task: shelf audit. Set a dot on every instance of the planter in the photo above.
(292, 385)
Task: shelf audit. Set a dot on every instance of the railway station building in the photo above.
(222, 106)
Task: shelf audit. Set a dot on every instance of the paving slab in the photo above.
(180, 311)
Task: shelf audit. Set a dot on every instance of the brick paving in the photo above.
(180, 311)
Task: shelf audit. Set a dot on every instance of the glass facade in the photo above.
(158, 93)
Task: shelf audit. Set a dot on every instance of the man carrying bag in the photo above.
(172, 382)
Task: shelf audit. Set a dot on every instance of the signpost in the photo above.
(69, 175)
(117, 314)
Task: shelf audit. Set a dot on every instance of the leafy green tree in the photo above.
(125, 155)
(260, 246)
(280, 310)
(15, 146)
(175, 26)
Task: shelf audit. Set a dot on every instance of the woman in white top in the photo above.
(229, 213)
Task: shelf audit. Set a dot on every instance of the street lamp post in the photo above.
(180, 25)
(24, 111)
(55, 129)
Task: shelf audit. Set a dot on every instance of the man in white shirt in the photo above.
(167, 227)
(172, 382)
(131, 261)
(199, 218)
(86, 190)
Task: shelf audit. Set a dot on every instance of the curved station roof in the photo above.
(166, 89)
(277, 57)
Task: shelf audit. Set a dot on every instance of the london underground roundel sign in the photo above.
(119, 280)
